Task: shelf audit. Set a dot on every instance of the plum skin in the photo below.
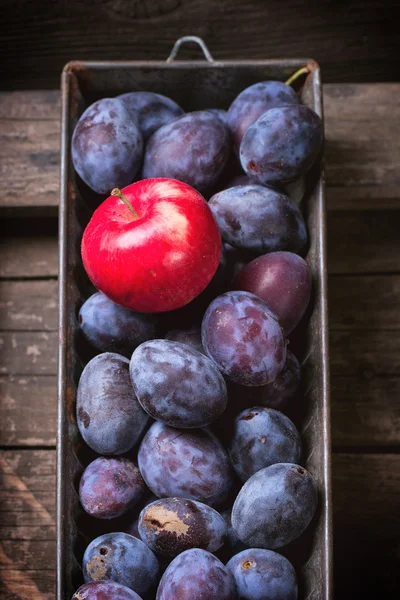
(106, 146)
(243, 337)
(261, 574)
(283, 281)
(151, 110)
(124, 559)
(105, 590)
(110, 487)
(109, 417)
(275, 506)
(176, 384)
(172, 525)
(185, 463)
(196, 574)
(262, 437)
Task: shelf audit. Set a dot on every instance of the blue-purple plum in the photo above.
(254, 101)
(109, 417)
(244, 339)
(107, 146)
(150, 110)
(262, 437)
(283, 281)
(282, 144)
(261, 574)
(132, 526)
(221, 114)
(110, 487)
(232, 544)
(193, 148)
(110, 327)
(104, 590)
(196, 575)
(172, 525)
(122, 558)
(185, 463)
(294, 189)
(280, 392)
(275, 506)
(190, 336)
(176, 384)
(258, 218)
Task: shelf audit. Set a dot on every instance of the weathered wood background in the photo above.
(362, 172)
(353, 40)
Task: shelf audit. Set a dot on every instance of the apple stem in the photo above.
(117, 192)
(297, 74)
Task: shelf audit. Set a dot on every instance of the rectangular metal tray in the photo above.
(194, 85)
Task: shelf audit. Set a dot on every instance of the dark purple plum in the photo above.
(221, 114)
(244, 339)
(283, 281)
(124, 559)
(282, 144)
(232, 544)
(150, 110)
(189, 464)
(104, 590)
(279, 392)
(172, 525)
(196, 575)
(275, 506)
(294, 189)
(262, 437)
(193, 148)
(107, 146)
(176, 384)
(190, 336)
(133, 525)
(261, 574)
(254, 101)
(259, 218)
(110, 487)
(113, 328)
(109, 417)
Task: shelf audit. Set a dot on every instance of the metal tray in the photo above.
(194, 85)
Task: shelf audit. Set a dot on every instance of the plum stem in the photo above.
(117, 192)
(297, 74)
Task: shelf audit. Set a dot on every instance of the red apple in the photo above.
(152, 247)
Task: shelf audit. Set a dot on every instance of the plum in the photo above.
(150, 110)
(109, 417)
(172, 525)
(254, 101)
(261, 574)
(262, 437)
(186, 463)
(190, 336)
(275, 506)
(107, 146)
(196, 575)
(110, 327)
(176, 384)
(110, 487)
(193, 148)
(282, 144)
(124, 559)
(104, 590)
(283, 281)
(260, 219)
(244, 339)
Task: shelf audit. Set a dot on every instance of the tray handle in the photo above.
(184, 40)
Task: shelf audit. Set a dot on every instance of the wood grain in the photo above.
(361, 169)
(23, 256)
(365, 511)
(354, 41)
(28, 305)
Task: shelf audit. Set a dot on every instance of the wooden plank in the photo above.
(27, 527)
(362, 154)
(28, 410)
(364, 242)
(28, 256)
(28, 305)
(366, 526)
(28, 353)
(365, 509)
